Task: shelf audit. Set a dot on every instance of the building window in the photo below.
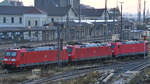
(36, 23)
(20, 20)
(4, 20)
(12, 20)
(29, 23)
(52, 20)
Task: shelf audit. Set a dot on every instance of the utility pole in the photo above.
(105, 25)
(144, 28)
(114, 17)
(67, 30)
(121, 33)
(105, 11)
(59, 42)
(79, 14)
(68, 7)
(58, 45)
(139, 11)
(144, 12)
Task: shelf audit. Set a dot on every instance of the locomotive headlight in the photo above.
(5, 59)
(13, 60)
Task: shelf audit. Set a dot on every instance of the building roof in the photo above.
(42, 4)
(56, 11)
(92, 12)
(19, 10)
(83, 6)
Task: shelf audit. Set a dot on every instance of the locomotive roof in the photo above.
(34, 48)
(87, 45)
(42, 48)
(132, 42)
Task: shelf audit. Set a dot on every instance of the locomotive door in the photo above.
(23, 58)
(70, 54)
(115, 49)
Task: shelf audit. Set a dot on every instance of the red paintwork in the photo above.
(123, 49)
(89, 53)
(42, 56)
(30, 57)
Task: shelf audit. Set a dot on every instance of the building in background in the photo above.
(11, 3)
(21, 16)
(42, 4)
(73, 3)
(60, 14)
(57, 10)
(92, 14)
(57, 3)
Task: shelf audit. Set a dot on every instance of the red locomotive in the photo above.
(130, 48)
(90, 51)
(28, 57)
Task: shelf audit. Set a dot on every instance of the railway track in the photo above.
(140, 67)
(127, 73)
(119, 68)
(6, 73)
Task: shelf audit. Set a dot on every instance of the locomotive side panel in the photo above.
(132, 49)
(38, 58)
(92, 53)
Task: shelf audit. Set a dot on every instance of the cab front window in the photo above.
(10, 54)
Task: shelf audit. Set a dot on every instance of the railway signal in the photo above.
(59, 41)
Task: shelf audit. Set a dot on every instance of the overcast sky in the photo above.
(129, 5)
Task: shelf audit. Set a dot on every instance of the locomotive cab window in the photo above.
(7, 53)
(11, 54)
